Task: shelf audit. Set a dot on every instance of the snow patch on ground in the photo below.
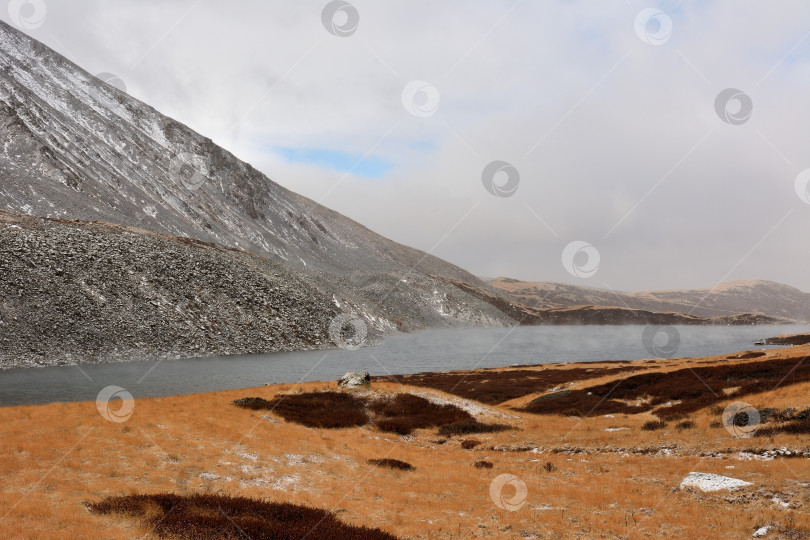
(471, 407)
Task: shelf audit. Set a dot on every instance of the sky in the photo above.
(619, 144)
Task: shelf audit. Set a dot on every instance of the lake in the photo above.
(429, 350)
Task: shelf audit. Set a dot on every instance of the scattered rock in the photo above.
(523, 447)
(762, 531)
(354, 380)
(712, 482)
(248, 401)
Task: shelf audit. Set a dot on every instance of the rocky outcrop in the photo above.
(355, 380)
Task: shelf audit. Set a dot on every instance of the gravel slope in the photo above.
(85, 292)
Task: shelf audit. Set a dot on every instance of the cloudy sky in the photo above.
(633, 168)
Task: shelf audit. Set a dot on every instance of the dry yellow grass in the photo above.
(53, 458)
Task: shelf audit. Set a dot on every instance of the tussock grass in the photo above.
(225, 517)
(653, 425)
(469, 444)
(685, 424)
(483, 464)
(794, 424)
(392, 464)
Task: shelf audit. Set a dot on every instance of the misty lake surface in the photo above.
(430, 350)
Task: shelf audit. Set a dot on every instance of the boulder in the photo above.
(712, 482)
(354, 380)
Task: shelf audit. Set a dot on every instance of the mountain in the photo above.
(76, 148)
(726, 299)
(606, 314)
(126, 234)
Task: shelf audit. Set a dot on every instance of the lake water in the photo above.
(431, 350)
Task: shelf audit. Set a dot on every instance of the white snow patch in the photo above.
(712, 482)
(469, 406)
(615, 428)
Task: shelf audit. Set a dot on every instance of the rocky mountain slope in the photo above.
(74, 147)
(760, 297)
(81, 292)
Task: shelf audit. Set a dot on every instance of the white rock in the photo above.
(762, 531)
(353, 380)
(712, 482)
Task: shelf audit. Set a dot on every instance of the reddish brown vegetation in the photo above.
(400, 413)
(470, 426)
(787, 422)
(686, 424)
(223, 517)
(688, 389)
(392, 464)
(579, 403)
(746, 356)
(314, 409)
(469, 444)
(493, 386)
(404, 413)
(654, 425)
(483, 464)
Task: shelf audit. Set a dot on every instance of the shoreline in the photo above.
(78, 382)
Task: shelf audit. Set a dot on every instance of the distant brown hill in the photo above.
(726, 299)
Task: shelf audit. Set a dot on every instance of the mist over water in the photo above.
(430, 350)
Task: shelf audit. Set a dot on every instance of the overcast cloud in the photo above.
(616, 140)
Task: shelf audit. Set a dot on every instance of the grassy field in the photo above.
(586, 450)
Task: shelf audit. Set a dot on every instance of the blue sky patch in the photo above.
(370, 167)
